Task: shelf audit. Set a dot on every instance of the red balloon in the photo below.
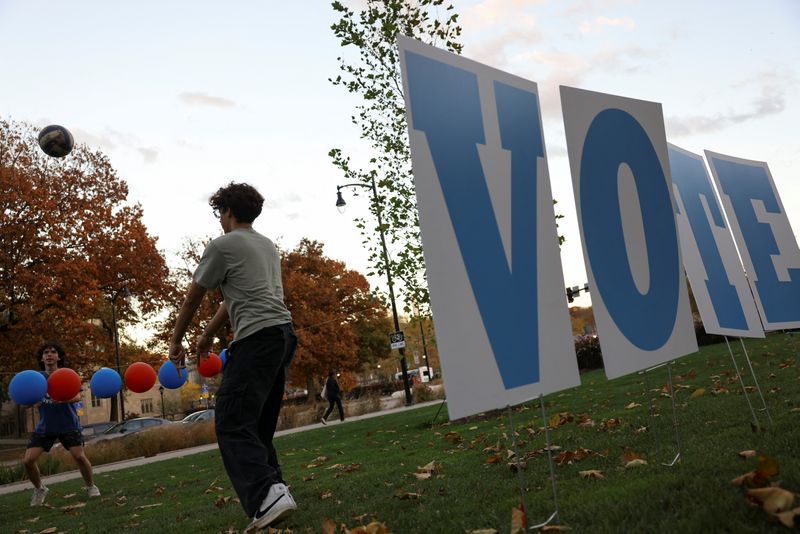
(140, 377)
(63, 384)
(209, 366)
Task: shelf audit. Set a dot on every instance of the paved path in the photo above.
(105, 468)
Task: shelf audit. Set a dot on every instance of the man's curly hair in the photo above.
(242, 199)
(51, 345)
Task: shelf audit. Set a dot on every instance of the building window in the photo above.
(147, 405)
(96, 402)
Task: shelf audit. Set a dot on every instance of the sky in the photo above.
(185, 96)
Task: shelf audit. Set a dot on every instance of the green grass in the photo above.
(371, 462)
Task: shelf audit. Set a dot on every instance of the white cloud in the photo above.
(149, 155)
(590, 26)
(203, 99)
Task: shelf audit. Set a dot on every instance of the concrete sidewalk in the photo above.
(106, 468)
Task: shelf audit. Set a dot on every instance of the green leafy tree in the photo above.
(375, 76)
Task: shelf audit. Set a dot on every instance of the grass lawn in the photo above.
(364, 470)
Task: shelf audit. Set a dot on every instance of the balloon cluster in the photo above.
(29, 387)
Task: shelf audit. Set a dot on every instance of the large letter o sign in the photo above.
(615, 137)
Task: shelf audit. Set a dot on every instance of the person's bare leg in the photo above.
(31, 467)
(83, 464)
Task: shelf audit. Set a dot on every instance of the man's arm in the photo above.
(205, 341)
(190, 304)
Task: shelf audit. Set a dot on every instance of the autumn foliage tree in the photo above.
(69, 241)
(333, 311)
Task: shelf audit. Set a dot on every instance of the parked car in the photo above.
(198, 417)
(93, 430)
(131, 426)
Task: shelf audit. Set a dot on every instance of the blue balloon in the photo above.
(223, 355)
(28, 387)
(168, 376)
(105, 383)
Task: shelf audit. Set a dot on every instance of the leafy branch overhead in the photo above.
(374, 74)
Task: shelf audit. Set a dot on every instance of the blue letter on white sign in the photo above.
(446, 106)
(615, 138)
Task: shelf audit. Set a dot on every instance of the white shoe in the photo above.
(277, 505)
(92, 491)
(323, 421)
(38, 495)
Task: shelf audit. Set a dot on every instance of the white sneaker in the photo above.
(38, 495)
(277, 505)
(92, 491)
(323, 421)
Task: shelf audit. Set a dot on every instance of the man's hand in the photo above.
(204, 346)
(177, 356)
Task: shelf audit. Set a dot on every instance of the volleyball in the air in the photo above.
(56, 141)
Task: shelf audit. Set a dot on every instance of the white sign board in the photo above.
(765, 239)
(709, 256)
(397, 340)
(621, 181)
(488, 231)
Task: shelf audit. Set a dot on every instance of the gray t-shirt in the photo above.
(246, 266)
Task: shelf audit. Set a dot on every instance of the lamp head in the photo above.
(340, 203)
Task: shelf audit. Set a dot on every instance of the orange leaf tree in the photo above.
(339, 322)
(69, 241)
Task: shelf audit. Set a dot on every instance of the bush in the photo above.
(587, 349)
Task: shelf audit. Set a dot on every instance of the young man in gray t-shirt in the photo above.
(246, 267)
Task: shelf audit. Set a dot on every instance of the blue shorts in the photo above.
(46, 441)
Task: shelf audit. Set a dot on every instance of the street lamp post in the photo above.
(424, 346)
(340, 204)
(163, 412)
(126, 293)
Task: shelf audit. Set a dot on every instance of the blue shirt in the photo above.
(57, 418)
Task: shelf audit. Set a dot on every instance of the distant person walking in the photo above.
(333, 394)
(58, 420)
(246, 266)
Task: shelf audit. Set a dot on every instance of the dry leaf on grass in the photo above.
(482, 531)
(32, 519)
(404, 495)
(375, 527)
(788, 517)
(629, 455)
(73, 506)
(772, 499)
(699, 392)
(555, 528)
(494, 459)
(50, 530)
(519, 524)
(453, 437)
(636, 463)
(327, 494)
(142, 507)
(328, 526)
(632, 405)
(591, 473)
(747, 454)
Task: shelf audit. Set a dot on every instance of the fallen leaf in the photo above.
(555, 528)
(68, 496)
(327, 494)
(787, 518)
(699, 392)
(772, 499)
(747, 454)
(328, 526)
(519, 524)
(142, 507)
(73, 506)
(629, 455)
(404, 495)
(591, 473)
(767, 467)
(632, 405)
(482, 531)
(453, 437)
(494, 459)
(750, 480)
(636, 463)
(50, 530)
(221, 501)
